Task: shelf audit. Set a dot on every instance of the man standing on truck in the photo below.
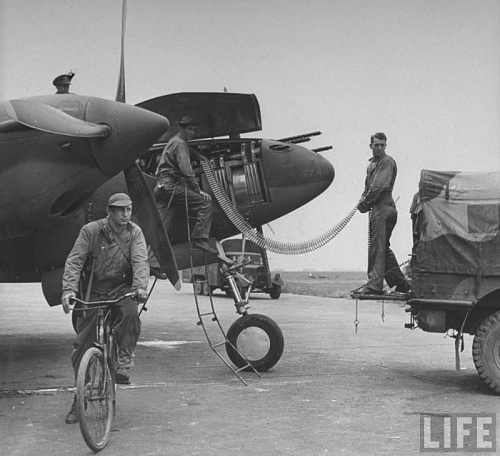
(377, 200)
(176, 181)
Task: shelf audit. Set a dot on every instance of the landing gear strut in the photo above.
(253, 339)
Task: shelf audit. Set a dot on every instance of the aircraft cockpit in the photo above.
(237, 165)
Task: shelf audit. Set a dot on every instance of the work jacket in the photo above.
(112, 267)
(380, 177)
(175, 166)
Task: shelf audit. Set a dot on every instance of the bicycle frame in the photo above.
(95, 388)
(105, 334)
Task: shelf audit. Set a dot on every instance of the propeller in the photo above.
(147, 215)
(140, 192)
(120, 91)
(51, 120)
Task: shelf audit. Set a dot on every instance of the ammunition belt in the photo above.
(283, 248)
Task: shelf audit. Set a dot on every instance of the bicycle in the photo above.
(95, 384)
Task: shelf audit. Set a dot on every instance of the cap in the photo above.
(63, 79)
(119, 199)
(187, 120)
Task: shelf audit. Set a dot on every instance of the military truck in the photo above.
(455, 263)
(256, 270)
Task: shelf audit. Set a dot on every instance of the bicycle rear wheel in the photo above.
(95, 398)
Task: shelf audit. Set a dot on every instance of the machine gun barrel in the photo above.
(299, 138)
(322, 149)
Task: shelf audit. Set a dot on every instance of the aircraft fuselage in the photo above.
(51, 184)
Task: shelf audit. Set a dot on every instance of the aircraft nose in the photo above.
(299, 170)
(295, 176)
(322, 172)
(133, 131)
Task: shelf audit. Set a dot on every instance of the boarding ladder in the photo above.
(207, 317)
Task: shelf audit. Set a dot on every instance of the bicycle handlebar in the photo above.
(130, 294)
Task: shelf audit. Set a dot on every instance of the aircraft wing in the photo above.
(219, 113)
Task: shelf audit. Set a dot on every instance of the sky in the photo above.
(425, 72)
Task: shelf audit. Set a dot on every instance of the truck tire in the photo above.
(257, 338)
(198, 284)
(198, 288)
(486, 351)
(275, 293)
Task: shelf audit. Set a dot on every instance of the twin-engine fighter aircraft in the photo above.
(62, 156)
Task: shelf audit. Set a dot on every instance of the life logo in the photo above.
(468, 432)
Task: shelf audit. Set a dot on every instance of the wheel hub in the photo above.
(253, 343)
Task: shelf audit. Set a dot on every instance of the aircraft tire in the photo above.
(206, 288)
(486, 351)
(258, 339)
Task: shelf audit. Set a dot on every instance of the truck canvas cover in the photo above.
(456, 222)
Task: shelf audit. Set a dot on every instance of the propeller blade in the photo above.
(149, 220)
(120, 91)
(51, 120)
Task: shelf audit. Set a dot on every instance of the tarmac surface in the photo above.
(334, 391)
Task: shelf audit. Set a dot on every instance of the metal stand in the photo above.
(394, 296)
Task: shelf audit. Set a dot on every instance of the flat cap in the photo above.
(119, 199)
(186, 121)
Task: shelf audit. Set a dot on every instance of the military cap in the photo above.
(186, 121)
(63, 79)
(119, 199)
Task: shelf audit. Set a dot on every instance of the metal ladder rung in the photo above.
(219, 344)
(207, 313)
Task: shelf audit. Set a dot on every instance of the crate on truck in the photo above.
(257, 270)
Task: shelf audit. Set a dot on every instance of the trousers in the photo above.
(382, 262)
(126, 322)
(201, 209)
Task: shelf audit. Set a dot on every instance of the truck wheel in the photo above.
(486, 351)
(198, 288)
(258, 339)
(275, 293)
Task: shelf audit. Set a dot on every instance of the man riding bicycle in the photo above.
(109, 259)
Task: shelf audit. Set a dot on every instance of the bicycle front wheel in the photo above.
(95, 398)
